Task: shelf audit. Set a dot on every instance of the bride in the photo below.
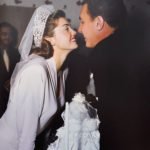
(36, 93)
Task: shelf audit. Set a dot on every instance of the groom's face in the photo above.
(87, 27)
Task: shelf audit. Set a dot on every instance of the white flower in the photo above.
(79, 97)
(91, 75)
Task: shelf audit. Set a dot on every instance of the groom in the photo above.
(102, 25)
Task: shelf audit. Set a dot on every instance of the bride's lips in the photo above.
(73, 40)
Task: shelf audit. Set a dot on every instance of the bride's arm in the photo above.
(30, 96)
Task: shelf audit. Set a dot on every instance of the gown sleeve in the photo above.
(30, 99)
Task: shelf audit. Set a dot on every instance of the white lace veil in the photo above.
(33, 33)
(35, 29)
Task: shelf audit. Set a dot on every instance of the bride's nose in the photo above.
(73, 32)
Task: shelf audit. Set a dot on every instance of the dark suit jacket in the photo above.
(4, 75)
(108, 63)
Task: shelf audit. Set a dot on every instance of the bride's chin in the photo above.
(76, 45)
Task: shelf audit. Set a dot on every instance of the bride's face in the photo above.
(64, 36)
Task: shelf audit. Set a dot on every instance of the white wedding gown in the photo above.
(80, 130)
(32, 104)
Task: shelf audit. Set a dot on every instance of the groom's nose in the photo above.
(79, 29)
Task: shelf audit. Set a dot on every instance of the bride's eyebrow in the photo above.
(67, 24)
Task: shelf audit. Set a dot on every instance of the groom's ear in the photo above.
(99, 22)
(50, 39)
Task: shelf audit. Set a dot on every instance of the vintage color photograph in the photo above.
(74, 74)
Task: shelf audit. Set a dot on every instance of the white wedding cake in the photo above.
(80, 130)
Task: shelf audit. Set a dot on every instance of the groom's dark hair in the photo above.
(113, 11)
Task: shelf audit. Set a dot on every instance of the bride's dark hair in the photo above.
(46, 49)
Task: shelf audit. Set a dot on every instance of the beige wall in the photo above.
(17, 16)
(71, 7)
